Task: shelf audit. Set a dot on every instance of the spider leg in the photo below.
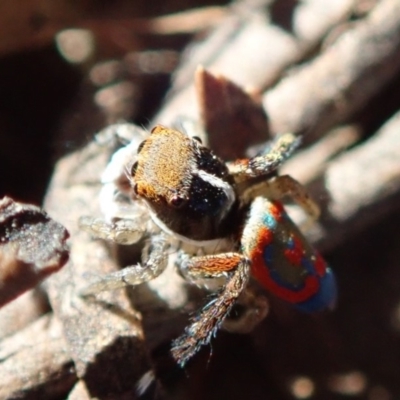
(205, 325)
(249, 309)
(155, 256)
(280, 149)
(285, 186)
(123, 231)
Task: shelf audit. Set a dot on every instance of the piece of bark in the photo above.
(35, 362)
(342, 79)
(22, 311)
(233, 119)
(32, 246)
(309, 163)
(105, 336)
(251, 50)
(359, 187)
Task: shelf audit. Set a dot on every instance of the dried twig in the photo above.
(342, 79)
(360, 186)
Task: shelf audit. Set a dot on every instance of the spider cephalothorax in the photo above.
(182, 193)
(176, 175)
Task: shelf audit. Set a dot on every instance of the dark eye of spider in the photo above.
(135, 188)
(197, 139)
(134, 168)
(140, 147)
(177, 201)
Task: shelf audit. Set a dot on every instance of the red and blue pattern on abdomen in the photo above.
(283, 261)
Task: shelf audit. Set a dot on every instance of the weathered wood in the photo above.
(360, 186)
(308, 163)
(35, 362)
(32, 246)
(22, 311)
(251, 49)
(341, 79)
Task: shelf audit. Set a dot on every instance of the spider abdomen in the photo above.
(283, 261)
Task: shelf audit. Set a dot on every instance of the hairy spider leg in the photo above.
(205, 325)
(279, 151)
(123, 231)
(279, 187)
(155, 261)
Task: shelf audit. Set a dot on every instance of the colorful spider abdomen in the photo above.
(283, 261)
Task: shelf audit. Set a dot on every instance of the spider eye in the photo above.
(140, 147)
(134, 168)
(177, 201)
(135, 189)
(197, 139)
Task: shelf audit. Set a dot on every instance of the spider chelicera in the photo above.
(178, 193)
